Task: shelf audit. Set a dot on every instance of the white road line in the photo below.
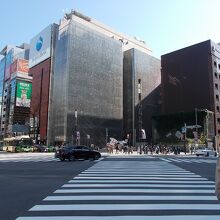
(108, 178)
(186, 160)
(167, 160)
(136, 185)
(140, 181)
(136, 172)
(134, 191)
(142, 175)
(132, 198)
(139, 178)
(176, 160)
(131, 217)
(95, 207)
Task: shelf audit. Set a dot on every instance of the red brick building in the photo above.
(40, 97)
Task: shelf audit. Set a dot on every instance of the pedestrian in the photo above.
(116, 148)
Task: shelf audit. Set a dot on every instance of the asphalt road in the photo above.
(24, 185)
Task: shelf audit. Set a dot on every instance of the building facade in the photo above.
(190, 80)
(87, 80)
(41, 69)
(15, 87)
(141, 94)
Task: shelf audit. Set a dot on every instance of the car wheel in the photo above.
(215, 154)
(96, 157)
(71, 157)
(197, 155)
(62, 158)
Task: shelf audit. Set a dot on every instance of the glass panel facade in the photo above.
(2, 75)
(87, 78)
(139, 65)
(58, 107)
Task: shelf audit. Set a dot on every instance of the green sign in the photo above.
(24, 91)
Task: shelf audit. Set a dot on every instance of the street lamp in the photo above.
(76, 125)
(140, 113)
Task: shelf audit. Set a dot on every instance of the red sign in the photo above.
(20, 66)
(13, 67)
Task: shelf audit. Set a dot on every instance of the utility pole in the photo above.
(196, 120)
(106, 136)
(140, 114)
(76, 126)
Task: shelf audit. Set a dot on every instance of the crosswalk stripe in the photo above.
(126, 207)
(138, 181)
(132, 197)
(133, 217)
(192, 160)
(129, 187)
(195, 191)
(139, 178)
(134, 175)
(136, 185)
(138, 173)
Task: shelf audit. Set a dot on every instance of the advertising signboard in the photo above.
(20, 66)
(40, 48)
(24, 90)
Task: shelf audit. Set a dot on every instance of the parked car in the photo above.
(39, 148)
(77, 152)
(23, 149)
(217, 179)
(50, 149)
(206, 152)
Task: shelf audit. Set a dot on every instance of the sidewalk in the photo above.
(136, 153)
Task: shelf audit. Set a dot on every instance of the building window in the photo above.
(219, 66)
(218, 119)
(216, 85)
(218, 131)
(217, 107)
(216, 75)
(215, 64)
(217, 97)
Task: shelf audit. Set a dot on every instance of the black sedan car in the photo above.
(77, 152)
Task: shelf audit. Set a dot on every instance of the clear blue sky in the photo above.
(165, 25)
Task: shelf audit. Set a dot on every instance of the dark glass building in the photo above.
(88, 79)
(139, 108)
(190, 80)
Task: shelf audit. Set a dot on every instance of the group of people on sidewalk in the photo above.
(145, 149)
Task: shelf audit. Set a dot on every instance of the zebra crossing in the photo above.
(189, 160)
(131, 190)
